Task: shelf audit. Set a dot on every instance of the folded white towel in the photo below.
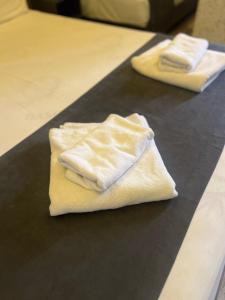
(212, 64)
(183, 54)
(104, 155)
(148, 179)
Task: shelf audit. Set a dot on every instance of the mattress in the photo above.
(133, 12)
(42, 70)
(35, 246)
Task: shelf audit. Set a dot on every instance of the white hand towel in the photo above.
(148, 179)
(183, 54)
(103, 156)
(212, 64)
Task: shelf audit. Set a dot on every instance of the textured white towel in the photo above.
(183, 54)
(148, 179)
(212, 64)
(104, 155)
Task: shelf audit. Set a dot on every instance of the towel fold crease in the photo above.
(183, 54)
(104, 155)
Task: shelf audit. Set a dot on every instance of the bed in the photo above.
(48, 76)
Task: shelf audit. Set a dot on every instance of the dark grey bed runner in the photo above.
(121, 254)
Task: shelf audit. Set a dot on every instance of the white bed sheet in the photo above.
(133, 12)
(46, 63)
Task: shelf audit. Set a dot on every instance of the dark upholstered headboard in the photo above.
(165, 14)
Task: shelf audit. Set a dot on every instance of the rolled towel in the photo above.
(147, 180)
(103, 156)
(212, 64)
(183, 54)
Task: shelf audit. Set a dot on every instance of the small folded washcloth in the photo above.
(147, 180)
(211, 65)
(104, 155)
(183, 54)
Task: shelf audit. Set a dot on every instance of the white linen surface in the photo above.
(105, 154)
(134, 12)
(45, 65)
(211, 65)
(10, 9)
(183, 54)
(148, 179)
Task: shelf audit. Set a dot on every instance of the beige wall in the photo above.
(210, 20)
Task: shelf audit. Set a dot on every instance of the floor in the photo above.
(187, 27)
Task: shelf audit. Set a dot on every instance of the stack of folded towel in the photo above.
(105, 166)
(185, 62)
